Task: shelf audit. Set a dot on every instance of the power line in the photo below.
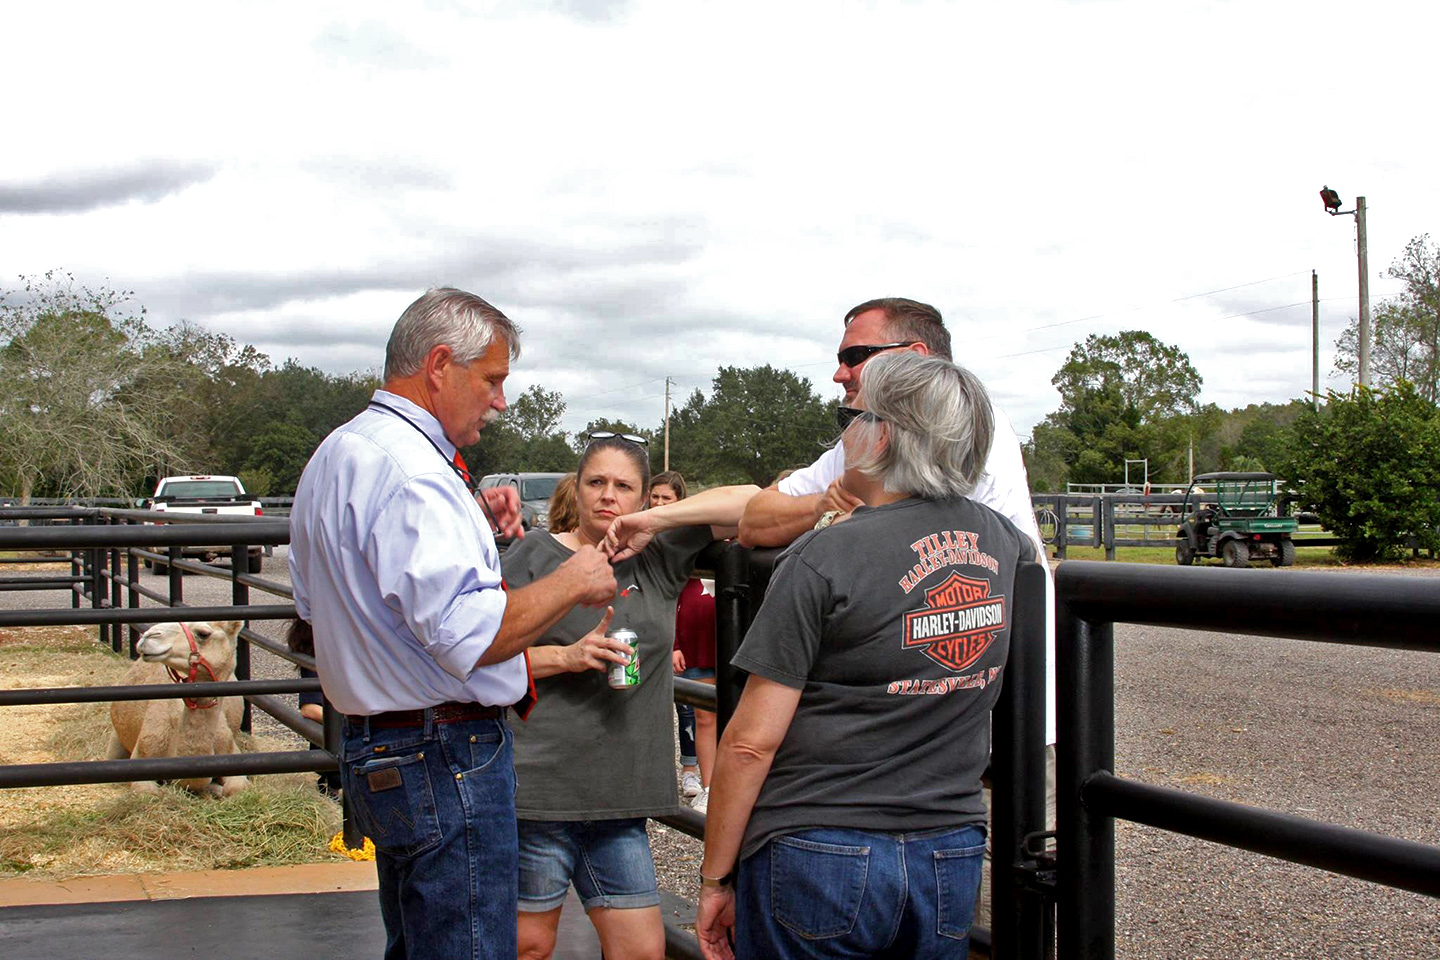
(592, 396)
(1097, 316)
(1111, 313)
(1299, 303)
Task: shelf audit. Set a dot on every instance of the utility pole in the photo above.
(667, 425)
(1364, 292)
(1315, 338)
(1332, 207)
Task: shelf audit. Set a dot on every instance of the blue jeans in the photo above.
(439, 803)
(849, 893)
(686, 715)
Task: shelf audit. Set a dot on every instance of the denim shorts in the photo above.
(697, 673)
(608, 861)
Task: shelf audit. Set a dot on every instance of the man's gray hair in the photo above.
(937, 420)
(444, 315)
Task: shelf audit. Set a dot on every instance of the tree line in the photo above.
(96, 402)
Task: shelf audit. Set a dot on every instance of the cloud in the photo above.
(83, 190)
(594, 11)
(371, 43)
(619, 265)
(374, 173)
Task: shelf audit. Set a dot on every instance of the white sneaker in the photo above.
(689, 784)
(702, 801)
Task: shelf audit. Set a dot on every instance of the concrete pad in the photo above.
(263, 881)
(21, 892)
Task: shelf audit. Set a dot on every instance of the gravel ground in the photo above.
(1344, 735)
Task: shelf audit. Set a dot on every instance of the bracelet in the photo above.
(726, 881)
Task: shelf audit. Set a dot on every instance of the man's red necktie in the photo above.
(460, 465)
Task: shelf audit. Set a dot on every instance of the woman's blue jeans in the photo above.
(439, 803)
(831, 893)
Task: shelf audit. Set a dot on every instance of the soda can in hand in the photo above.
(626, 676)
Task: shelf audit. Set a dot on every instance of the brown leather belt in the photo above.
(442, 713)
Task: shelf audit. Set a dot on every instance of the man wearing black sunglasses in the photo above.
(814, 496)
(778, 515)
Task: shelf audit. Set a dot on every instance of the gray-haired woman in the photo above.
(847, 817)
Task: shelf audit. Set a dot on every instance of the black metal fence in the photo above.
(105, 546)
(1355, 609)
(1110, 520)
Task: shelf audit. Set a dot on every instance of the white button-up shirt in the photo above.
(1004, 487)
(394, 565)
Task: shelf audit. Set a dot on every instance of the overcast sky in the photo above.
(654, 189)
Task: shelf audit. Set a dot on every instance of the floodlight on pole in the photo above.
(1331, 199)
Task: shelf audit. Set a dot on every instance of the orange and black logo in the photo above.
(958, 622)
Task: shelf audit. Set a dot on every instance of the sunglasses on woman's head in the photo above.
(856, 355)
(611, 435)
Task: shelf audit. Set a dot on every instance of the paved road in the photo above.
(1340, 734)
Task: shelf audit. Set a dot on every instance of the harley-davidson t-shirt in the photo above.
(895, 625)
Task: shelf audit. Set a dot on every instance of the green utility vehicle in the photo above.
(1238, 522)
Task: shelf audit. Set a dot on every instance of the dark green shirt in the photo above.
(588, 752)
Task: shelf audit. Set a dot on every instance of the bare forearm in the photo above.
(775, 519)
(549, 660)
(529, 612)
(739, 774)
(716, 507)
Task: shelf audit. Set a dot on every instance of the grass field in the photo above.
(1315, 558)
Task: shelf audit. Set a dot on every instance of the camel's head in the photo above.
(214, 640)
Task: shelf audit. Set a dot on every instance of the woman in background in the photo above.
(693, 659)
(561, 515)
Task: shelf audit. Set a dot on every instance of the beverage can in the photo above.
(626, 676)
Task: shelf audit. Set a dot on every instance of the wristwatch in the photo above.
(826, 518)
(726, 881)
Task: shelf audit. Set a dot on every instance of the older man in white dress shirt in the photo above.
(776, 516)
(417, 642)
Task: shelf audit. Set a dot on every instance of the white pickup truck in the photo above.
(223, 496)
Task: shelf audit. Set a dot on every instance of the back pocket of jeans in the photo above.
(395, 804)
(957, 881)
(816, 888)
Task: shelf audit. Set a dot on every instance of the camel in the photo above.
(181, 727)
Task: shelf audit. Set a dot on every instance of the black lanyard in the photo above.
(494, 524)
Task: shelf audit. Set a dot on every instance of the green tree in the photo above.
(1369, 463)
(252, 416)
(1154, 380)
(756, 422)
(1122, 397)
(86, 407)
(526, 438)
(278, 454)
(1405, 331)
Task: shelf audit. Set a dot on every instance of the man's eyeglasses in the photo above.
(611, 435)
(856, 355)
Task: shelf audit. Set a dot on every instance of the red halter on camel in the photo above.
(196, 662)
